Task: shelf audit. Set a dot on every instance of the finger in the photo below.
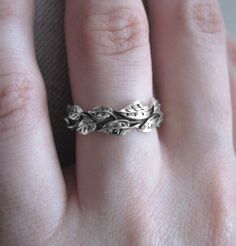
(189, 49)
(232, 72)
(110, 65)
(31, 184)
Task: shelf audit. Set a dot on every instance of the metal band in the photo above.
(115, 122)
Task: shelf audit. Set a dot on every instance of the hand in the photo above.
(174, 186)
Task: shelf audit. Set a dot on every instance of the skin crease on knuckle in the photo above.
(18, 103)
(203, 20)
(114, 32)
(10, 13)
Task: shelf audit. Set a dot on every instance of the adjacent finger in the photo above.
(191, 76)
(189, 51)
(31, 183)
(110, 65)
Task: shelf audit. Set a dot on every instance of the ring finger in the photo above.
(110, 65)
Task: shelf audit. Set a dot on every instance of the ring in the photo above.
(115, 122)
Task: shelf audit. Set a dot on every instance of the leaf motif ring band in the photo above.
(115, 122)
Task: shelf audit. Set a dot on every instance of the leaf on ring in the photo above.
(74, 109)
(156, 107)
(70, 124)
(86, 126)
(136, 111)
(101, 112)
(117, 127)
(154, 121)
(74, 112)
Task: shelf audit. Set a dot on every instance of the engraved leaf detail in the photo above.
(148, 125)
(74, 112)
(86, 126)
(115, 122)
(70, 124)
(154, 121)
(156, 107)
(117, 127)
(136, 111)
(101, 112)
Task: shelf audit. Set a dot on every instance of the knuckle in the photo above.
(115, 32)
(18, 103)
(9, 12)
(203, 17)
(207, 17)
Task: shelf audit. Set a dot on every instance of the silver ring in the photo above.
(115, 122)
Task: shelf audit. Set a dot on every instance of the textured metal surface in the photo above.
(115, 122)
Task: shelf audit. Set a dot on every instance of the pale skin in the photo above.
(174, 186)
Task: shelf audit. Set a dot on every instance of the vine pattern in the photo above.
(115, 122)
